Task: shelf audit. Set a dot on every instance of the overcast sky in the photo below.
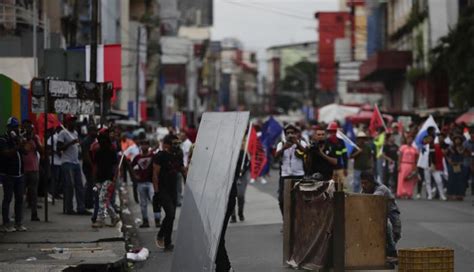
(263, 23)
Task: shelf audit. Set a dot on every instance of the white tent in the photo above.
(337, 112)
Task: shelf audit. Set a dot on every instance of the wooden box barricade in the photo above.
(356, 237)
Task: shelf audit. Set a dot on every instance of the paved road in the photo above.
(255, 245)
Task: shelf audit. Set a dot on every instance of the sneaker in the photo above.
(157, 223)
(169, 248)
(263, 181)
(98, 224)
(7, 228)
(20, 228)
(252, 181)
(418, 196)
(160, 243)
(145, 224)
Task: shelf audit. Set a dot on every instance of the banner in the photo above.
(258, 156)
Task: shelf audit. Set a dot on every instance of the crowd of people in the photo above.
(411, 163)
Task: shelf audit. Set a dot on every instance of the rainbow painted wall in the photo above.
(14, 101)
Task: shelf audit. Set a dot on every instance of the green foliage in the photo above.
(414, 74)
(454, 57)
(298, 77)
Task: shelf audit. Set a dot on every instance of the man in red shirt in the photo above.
(142, 166)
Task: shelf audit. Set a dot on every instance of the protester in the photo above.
(143, 171)
(407, 169)
(320, 156)
(87, 165)
(241, 178)
(340, 171)
(291, 151)
(57, 186)
(458, 172)
(68, 145)
(390, 154)
(166, 167)
(104, 159)
(363, 159)
(31, 157)
(12, 175)
(396, 135)
(394, 224)
(469, 146)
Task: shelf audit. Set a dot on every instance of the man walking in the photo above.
(166, 167)
(142, 166)
(68, 144)
(321, 156)
(12, 175)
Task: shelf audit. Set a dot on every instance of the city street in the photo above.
(256, 244)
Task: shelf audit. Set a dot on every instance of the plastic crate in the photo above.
(432, 259)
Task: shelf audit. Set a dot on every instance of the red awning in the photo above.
(467, 118)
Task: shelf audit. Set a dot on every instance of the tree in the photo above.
(300, 78)
(454, 57)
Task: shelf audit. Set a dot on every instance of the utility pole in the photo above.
(35, 37)
(137, 98)
(94, 31)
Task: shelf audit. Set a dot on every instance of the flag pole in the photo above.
(246, 147)
(381, 117)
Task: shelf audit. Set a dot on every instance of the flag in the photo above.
(258, 157)
(349, 131)
(271, 132)
(376, 121)
(350, 145)
(430, 122)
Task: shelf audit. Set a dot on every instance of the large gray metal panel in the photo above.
(54, 63)
(207, 190)
(76, 65)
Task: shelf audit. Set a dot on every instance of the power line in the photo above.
(269, 10)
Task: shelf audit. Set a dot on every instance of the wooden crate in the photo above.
(433, 259)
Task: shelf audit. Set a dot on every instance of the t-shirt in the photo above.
(10, 165)
(383, 190)
(71, 154)
(364, 161)
(391, 151)
(143, 167)
(170, 165)
(318, 164)
(186, 147)
(30, 156)
(292, 164)
(424, 158)
(105, 160)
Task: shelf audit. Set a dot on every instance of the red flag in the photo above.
(258, 158)
(376, 121)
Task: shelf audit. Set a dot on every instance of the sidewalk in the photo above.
(66, 241)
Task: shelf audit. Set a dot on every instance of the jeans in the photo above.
(57, 184)
(105, 191)
(16, 186)
(168, 202)
(73, 182)
(32, 182)
(146, 192)
(356, 181)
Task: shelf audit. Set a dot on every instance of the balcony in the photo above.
(385, 65)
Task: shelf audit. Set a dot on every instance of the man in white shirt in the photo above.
(68, 144)
(291, 151)
(57, 186)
